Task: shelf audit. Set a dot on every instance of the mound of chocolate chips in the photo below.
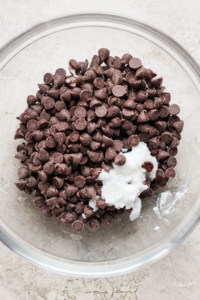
(77, 124)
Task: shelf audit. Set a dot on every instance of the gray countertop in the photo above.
(174, 277)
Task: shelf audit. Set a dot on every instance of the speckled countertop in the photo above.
(174, 277)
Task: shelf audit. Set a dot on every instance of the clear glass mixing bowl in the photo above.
(126, 245)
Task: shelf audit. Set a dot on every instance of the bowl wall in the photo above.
(126, 245)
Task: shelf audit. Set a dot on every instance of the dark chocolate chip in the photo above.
(120, 160)
(135, 63)
(133, 140)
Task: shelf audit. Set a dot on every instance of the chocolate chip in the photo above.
(89, 75)
(80, 124)
(162, 154)
(95, 157)
(79, 208)
(85, 139)
(74, 65)
(101, 111)
(48, 78)
(50, 142)
(94, 224)
(117, 77)
(98, 83)
(101, 93)
(142, 96)
(128, 113)
(126, 58)
(133, 140)
(166, 137)
(143, 117)
(43, 155)
(60, 137)
(172, 162)
(76, 158)
(31, 100)
(21, 155)
(153, 114)
(31, 182)
(174, 109)
(178, 126)
(42, 176)
(32, 125)
(110, 154)
(176, 134)
(85, 95)
(160, 175)
(164, 111)
(135, 63)
(174, 142)
(23, 173)
(62, 126)
(57, 157)
(139, 107)
(119, 91)
(172, 151)
(160, 125)
(58, 182)
(156, 82)
(54, 93)
(68, 218)
(118, 145)
(144, 128)
(95, 145)
(120, 160)
(42, 124)
(113, 111)
(103, 54)
(83, 66)
(91, 127)
(148, 166)
(79, 181)
(78, 226)
(162, 145)
(48, 168)
(110, 61)
(70, 190)
(166, 97)
(170, 173)
(149, 104)
(101, 203)
(94, 103)
(153, 143)
(74, 136)
(48, 102)
(66, 95)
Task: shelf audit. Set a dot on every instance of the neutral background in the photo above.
(175, 276)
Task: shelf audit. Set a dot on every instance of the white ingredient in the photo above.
(83, 215)
(136, 209)
(123, 184)
(93, 205)
(167, 200)
(156, 228)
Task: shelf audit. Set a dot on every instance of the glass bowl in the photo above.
(164, 221)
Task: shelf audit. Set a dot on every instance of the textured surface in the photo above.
(175, 276)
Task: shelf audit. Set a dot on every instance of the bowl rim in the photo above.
(74, 268)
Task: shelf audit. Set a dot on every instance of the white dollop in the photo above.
(122, 185)
(167, 200)
(93, 205)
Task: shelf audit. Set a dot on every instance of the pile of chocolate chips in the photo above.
(77, 125)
